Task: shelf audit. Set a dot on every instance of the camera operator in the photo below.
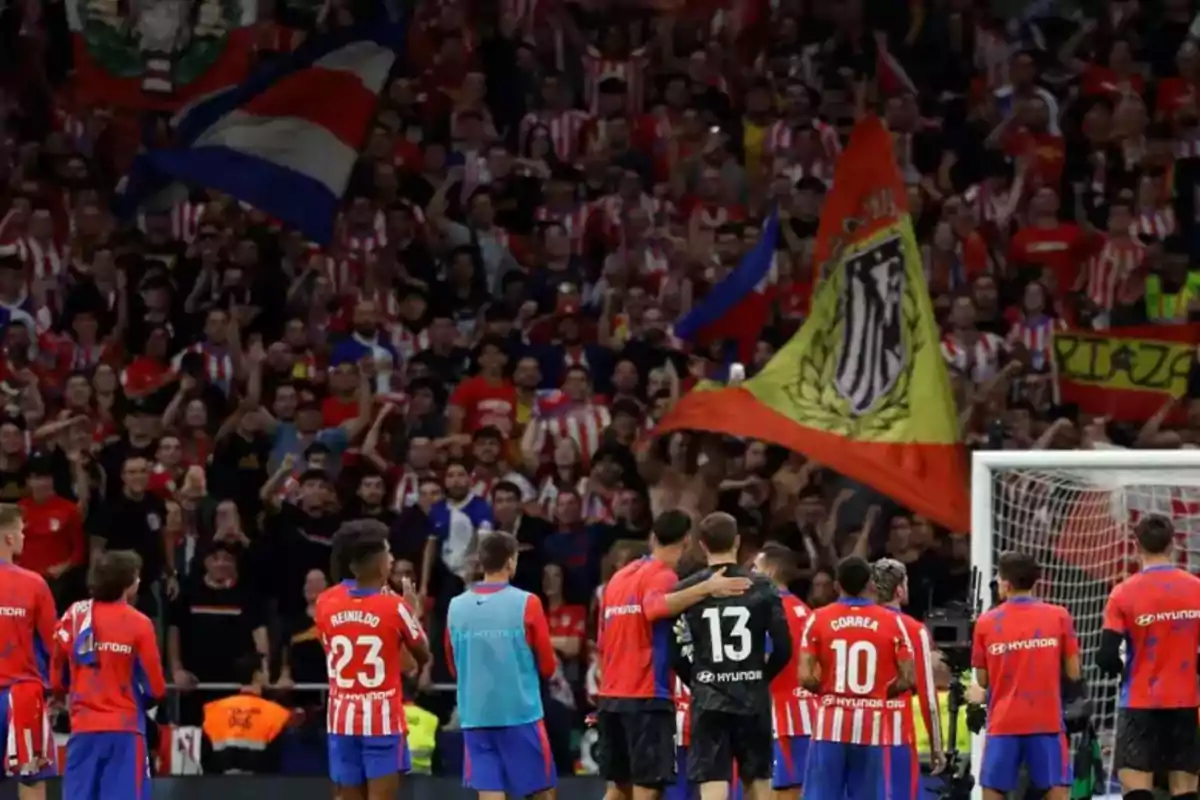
(1026, 653)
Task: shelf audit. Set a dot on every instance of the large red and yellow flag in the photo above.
(861, 387)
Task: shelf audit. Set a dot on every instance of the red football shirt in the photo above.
(53, 534)
(26, 626)
(364, 633)
(635, 631)
(1158, 612)
(484, 403)
(792, 707)
(1057, 249)
(1022, 644)
(859, 647)
(112, 693)
(925, 692)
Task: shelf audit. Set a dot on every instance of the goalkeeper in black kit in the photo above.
(737, 647)
(1156, 615)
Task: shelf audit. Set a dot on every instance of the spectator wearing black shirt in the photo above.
(238, 469)
(213, 622)
(136, 520)
(530, 533)
(138, 441)
(13, 457)
(299, 538)
(302, 658)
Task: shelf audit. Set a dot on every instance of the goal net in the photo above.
(1074, 511)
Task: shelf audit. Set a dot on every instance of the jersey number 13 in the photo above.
(734, 645)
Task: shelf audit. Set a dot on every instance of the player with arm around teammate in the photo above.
(498, 647)
(792, 707)
(890, 579)
(635, 717)
(27, 621)
(106, 661)
(856, 657)
(1156, 614)
(365, 628)
(1022, 649)
(732, 668)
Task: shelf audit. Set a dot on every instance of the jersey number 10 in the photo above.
(342, 650)
(855, 668)
(738, 645)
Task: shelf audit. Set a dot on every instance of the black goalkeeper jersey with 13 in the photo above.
(728, 649)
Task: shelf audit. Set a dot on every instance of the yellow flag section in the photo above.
(861, 387)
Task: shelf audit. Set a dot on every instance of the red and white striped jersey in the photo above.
(683, 713)
(407, 490)
(218, 364)
(549, 490)
(925, 692)
(363, 634)
(858, 648)
(980, 361)
(343, 274)
(44, 260)
(385, 301)
(574, 222)
(407, 341)
(779, 138)
(584, 426)
(1108, 269)
(185, 221)
(1155, 224)
(1037, 335)
(565, 129)
(364, 244)
(598, 69)
(820, 170)
(791, 706)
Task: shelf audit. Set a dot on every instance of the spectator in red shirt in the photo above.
(568, 621)
(1046, 242)
(54, 542)
(489, 398)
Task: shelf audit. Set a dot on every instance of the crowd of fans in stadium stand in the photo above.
(488, 342)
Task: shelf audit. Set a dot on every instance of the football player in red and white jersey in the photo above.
(365, 628)
(855, 654)
(890, 579)
(792, 707)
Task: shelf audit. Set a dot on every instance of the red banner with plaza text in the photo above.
(1125, 374)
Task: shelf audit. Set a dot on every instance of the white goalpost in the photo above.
(1074, 510)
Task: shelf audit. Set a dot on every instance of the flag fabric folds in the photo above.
(285, 141)
(862, 387)
(1125, 374)
(156, 56)
(737, 307)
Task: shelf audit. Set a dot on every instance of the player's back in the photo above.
(858, 647)
(27, 620)
(112, 663)
(363, 633)
(792, 705)
(1022, 643)
(634, 649)
(922, 654)
(1158, 611)
(729, 645)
